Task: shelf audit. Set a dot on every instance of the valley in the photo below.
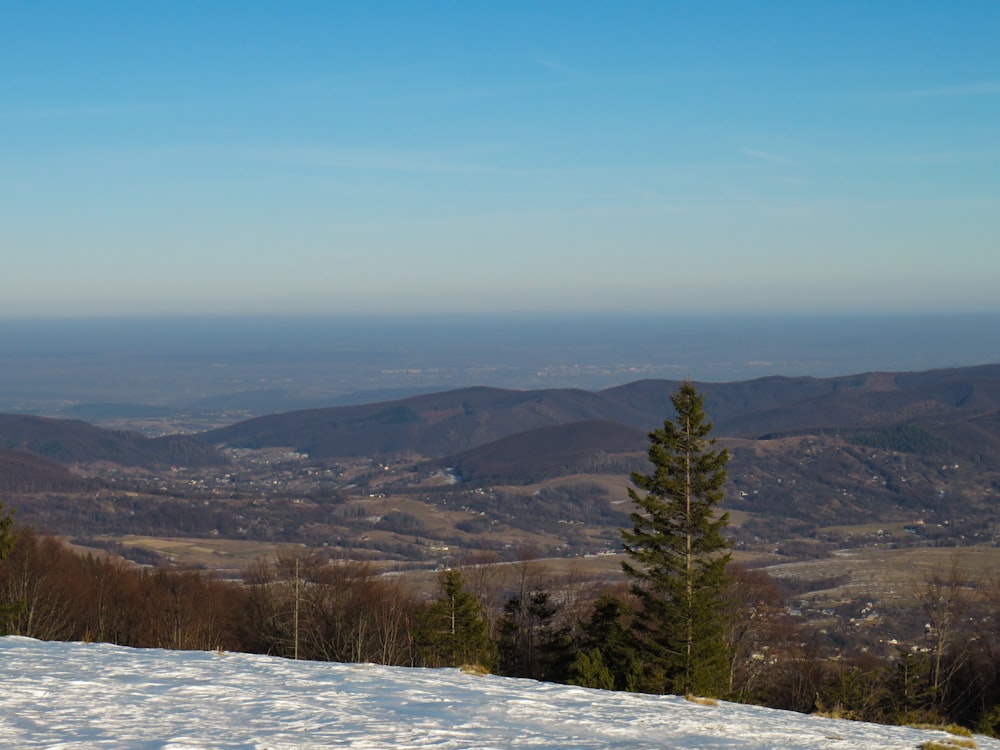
(849, 492)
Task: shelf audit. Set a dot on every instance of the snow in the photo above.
(83, 695)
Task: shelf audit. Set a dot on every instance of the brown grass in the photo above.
(474, 669)
(949, 728)
(892, 575)
(948, 744)
(701, 701)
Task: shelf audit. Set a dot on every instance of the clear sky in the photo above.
(410, 157)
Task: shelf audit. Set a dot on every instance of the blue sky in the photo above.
(377, 157)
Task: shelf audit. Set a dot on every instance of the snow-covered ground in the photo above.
(77, 695)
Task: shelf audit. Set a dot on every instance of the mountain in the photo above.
(891, 448)
(438, 424)
(21, 471)
(69, 441)
(769, 407)
(100, 695)
(886, 447)
(578, 447)
(956, 409)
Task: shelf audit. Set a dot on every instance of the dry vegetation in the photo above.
(891, 575)
(948, 744)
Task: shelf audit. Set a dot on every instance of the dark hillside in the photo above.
(646, 403)
(941, 403)
(560, 450)
(805, 451)
(28, 473)
(72, 441)
(754, 408)
(433, 425)
(824, 480)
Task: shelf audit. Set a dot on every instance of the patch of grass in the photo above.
(950, 743)
(955, 729)
(701, 701)
(476, 669)
(837, 712)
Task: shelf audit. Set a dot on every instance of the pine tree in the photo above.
(453, 632)
(9, 610)
(678, 555)
(6, 537)
(606, 657)
(589, 670)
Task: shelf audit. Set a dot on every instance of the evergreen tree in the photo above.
(454, 632)
(678, 555)
(589, 670)
(9, 610)
(6, 536)
(607, 656)
(531, 642)
(911, 690)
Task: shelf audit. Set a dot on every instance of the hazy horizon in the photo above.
(260, 363)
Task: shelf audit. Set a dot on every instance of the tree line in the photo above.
(687, 621)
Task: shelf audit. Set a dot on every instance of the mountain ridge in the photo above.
(69, 441)
(865, 446)
(452, 422)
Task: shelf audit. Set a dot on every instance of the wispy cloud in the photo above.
(358, 158)
(767, 156)
(556, 66)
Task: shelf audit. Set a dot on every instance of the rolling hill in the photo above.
(850, 449)
(535, 455)
(957, 410)
(438, 424)
(21, 471)
(896, 448)
(69, 441)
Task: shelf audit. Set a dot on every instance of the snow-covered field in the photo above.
(77, 695)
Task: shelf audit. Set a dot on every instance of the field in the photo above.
(893, 575)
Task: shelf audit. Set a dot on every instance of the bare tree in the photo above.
(759, 632)
(303, 604)
(38, 575)
(945, 598)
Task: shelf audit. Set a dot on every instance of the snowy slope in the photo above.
(75, 695)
